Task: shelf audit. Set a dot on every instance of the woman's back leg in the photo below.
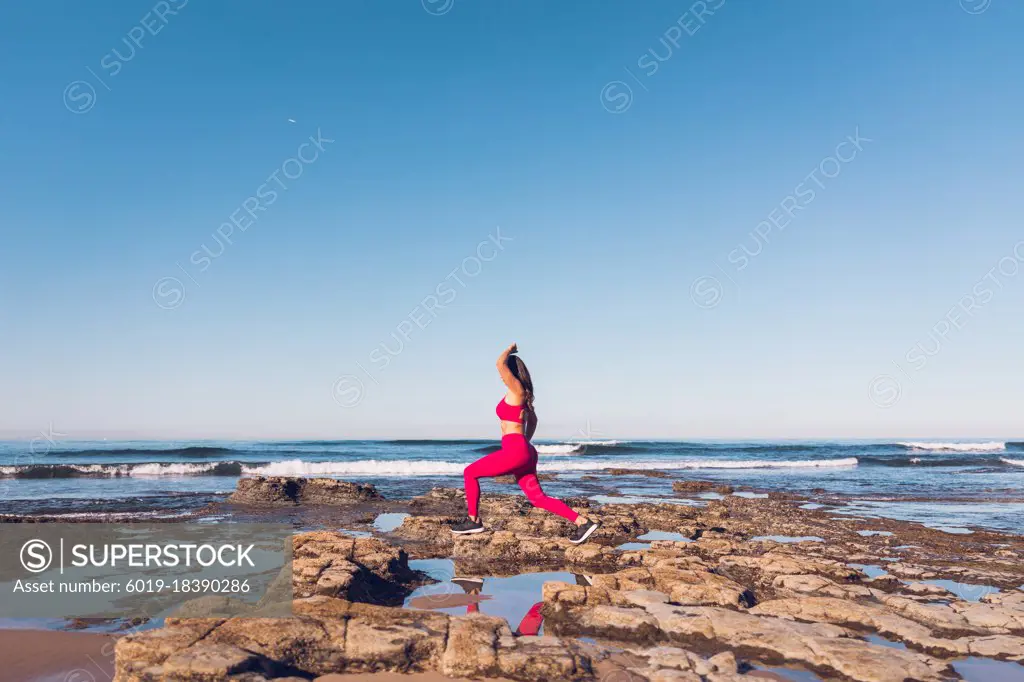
(530, 485)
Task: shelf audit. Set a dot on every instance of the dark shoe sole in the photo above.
(590, 531)
(468, 532)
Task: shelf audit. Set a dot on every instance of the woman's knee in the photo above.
(534, 494)
(530, 486)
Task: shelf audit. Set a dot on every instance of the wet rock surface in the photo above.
(261, 490)
(873, 600)
(329, 635)
(689, 487)
(361, 569)
(648, 473)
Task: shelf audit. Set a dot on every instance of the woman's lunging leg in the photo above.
(504, 461)
(531, 486)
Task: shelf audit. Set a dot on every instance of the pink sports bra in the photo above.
(510, 413)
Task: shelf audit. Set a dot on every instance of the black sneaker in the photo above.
(468, 584)
(584, 580)
(583, 532)
(468, 526)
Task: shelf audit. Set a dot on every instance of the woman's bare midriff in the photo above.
(511, 427)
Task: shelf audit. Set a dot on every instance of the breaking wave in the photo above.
(383, 467)
(560, 449)
(118, 470)
(298, 467)
(956, 447)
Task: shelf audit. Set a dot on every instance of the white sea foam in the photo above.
(1014, 462)
(90, 469)
(956, 447)
(112, 470)
(375, 467)
(405, 467)
(116, 515)
(740, 464)
(560, 449)
(574, 447)
(155, 469)
(368, 467)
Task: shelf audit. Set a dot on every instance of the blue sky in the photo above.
(627, 152)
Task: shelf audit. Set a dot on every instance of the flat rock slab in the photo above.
(287, 490)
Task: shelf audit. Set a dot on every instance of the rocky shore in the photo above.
(263, 490)
(724, 591)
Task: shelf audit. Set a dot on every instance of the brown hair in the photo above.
(519, 371)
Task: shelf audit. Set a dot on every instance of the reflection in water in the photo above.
(882, 641)
(784, 674)
(950, 517)
(787, 539)
(987, 670)
(651, 536)
(664, 535)
(531, 623)
(870, 570)
(630, 499)
(517, 599)
(445, 601)
(965, 591)
(385, 523)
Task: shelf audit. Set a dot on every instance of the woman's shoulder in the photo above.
(515, 398)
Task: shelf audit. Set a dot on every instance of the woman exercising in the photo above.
(516, 456)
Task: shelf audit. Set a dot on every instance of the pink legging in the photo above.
(519, 458)
(529, 625)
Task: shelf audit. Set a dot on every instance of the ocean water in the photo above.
(982, 482)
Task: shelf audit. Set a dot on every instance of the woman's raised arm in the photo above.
(515, 388)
